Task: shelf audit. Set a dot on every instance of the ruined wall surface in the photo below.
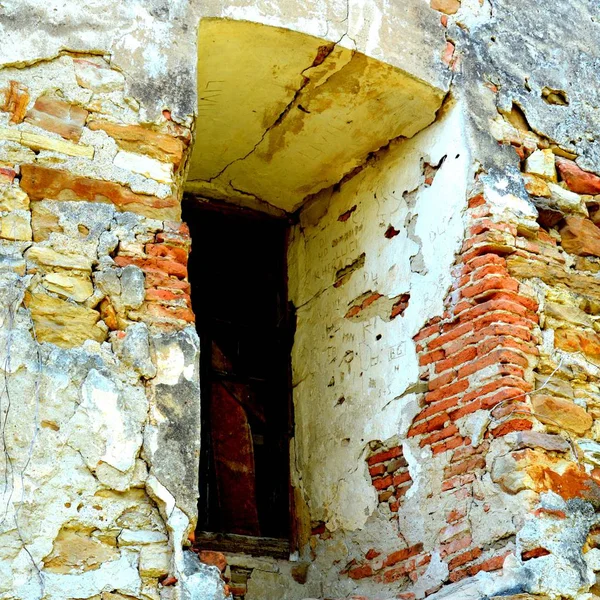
(369, 264)
(99, 408)
(446, 364)
(491, 487)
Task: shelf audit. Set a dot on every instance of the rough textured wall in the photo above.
(469, 472)
(100, 393)
(494, 486)
(369, 265)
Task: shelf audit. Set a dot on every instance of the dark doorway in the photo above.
(238, 277)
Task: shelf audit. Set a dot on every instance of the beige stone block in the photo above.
(536, 186)
(97, 76)
(561, 413)
(568, 313)
(140, 139)
(155, 560)
(580, 236)
(566, 201)
(541, 163)
(16, 226)
(61, 322)
(50, 258)
(145, 165)
(43, 222)
(69, 286)
(36, 141)
(74, 551)
(12, 197)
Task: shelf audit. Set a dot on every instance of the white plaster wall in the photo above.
(335, 357)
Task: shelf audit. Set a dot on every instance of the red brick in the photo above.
(464, 558)
(437, 407)
(478, 200)
(352, 312)
(508, 408)
(58, 116)
(577, 180)
(371, 554)
(457, 359)
(455, 332)
(512, 425)
(401, 478)
(456, 515)
(441, 380)
(535, 553)
(559, 514)
(458, 481)
(481, 225)
(360, 572)
(504, 341)
(485, 259)
(485, 402)
(467, 451)
(469, 465)
(377, 470)
(162, 265)
(447, 391)
(215, 559)
(400, 555)
(439, 435)
(488, 284)
(456, 545)
(449, 444)
(435, 423)
(167, 295)
(466, 409)
(427, 332)
(170, 312)
(159, 279)
(7, 175)
(506, 381)
(431, 357)
(448, 54)
(531, 304)
(43, 183)
(385, 455)
(494, 357)
(382, 482)
(175, 253)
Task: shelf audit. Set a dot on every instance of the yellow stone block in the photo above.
(69, 286)
(12, 197)
(50, 258)
(16, 226)
(61, 322)
(36, 141)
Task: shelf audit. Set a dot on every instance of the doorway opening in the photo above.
(239, 292)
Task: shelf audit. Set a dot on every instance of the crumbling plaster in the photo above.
(355, 374)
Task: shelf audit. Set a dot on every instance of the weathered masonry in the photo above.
(299, 300)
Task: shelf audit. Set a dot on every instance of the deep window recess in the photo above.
(238, 278)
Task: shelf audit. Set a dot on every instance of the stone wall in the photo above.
(100, 395)
(446, 364)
